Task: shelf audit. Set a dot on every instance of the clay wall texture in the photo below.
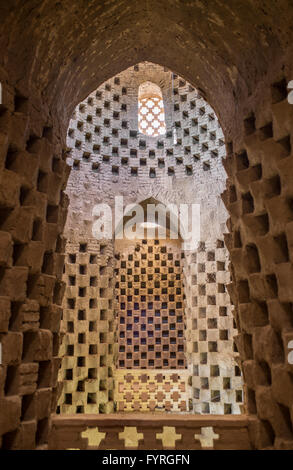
(240, 59)
(33, 211)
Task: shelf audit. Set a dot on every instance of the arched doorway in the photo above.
(162, 284)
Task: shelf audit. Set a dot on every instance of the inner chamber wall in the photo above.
(110, 157)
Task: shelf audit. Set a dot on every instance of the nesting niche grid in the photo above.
(109, 156)
(105, 143)
(151, 332)
(32, 216)
(88, 348)
(259, 197)
(151, 307)
(216, 377)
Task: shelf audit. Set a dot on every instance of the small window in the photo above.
(151, 115)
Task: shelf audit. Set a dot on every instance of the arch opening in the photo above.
(159, 312)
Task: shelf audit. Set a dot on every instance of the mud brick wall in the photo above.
(104, 130)
(211, 352)
(240, 59)
(259, 198)
(89, 346)
(109, 156)
(33, 174)
(153, 390)
(150, 305)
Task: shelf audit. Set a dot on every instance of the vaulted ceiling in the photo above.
(65, 49)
